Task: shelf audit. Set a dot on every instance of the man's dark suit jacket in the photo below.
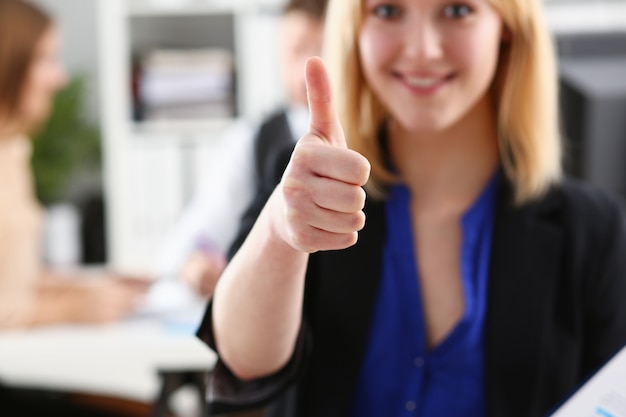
(556, 309)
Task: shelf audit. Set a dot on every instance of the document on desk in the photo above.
(604, 395)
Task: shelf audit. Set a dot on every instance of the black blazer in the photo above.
(556, 310)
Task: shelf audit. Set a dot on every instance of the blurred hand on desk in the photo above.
(202, 270)
(97, 298)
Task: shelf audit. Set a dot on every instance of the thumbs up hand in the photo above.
(321, 187)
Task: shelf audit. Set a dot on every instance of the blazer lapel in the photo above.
(524, 269)
(348, 282)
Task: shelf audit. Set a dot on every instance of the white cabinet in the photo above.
(151, 166)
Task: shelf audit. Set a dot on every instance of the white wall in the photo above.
(77, 21)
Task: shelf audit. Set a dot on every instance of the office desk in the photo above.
(121, 360)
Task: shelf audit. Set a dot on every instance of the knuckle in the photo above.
(364, 171)
(361, 167)
(362, 198)
(302, 157)
(358, 221)
(354, 222)
(294, 190)
(295, 217)
(357, 199)
(298, 159)
(348, 239)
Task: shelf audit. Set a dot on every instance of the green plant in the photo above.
(66, 144)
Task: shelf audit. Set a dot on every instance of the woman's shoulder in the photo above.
(588, 200)
(589, 208)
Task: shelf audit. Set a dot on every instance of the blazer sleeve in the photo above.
(225, 393)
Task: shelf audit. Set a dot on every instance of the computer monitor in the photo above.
(592, 70)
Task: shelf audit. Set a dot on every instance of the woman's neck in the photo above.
(447, 170)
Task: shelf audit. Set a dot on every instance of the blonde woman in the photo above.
(30, 74)
(473, 280)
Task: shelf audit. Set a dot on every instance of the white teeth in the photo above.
(422, 82)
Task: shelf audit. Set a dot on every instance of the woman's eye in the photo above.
(457, 11)
(386, 11)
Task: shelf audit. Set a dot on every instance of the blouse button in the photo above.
(410, 406)
(418, 362)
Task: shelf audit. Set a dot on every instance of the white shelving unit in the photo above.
(567, 17)
(151, 167)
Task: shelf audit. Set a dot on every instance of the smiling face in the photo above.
(429, 62)
(45, 77)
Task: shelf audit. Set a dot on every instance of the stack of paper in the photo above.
(187, 84)
(604, 395)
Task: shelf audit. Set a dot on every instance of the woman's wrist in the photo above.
(278, 238)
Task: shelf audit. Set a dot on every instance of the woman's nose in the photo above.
(423, 41)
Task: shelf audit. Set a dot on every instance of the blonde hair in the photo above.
(524, 92)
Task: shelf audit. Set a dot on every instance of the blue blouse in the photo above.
(400, 376)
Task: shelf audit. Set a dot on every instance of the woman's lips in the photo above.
(427, 84)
